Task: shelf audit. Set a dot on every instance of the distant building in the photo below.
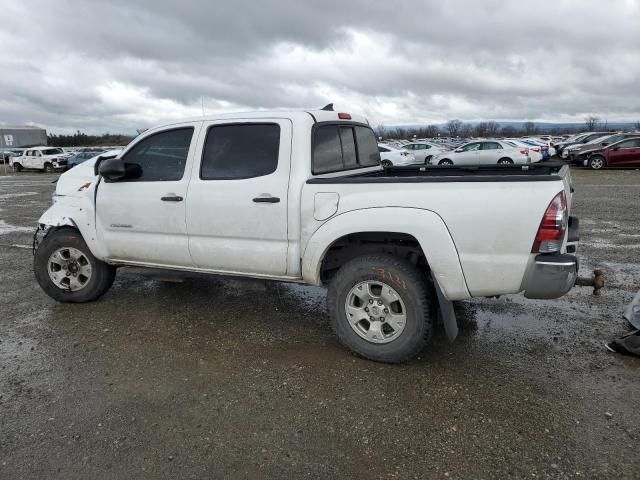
(18, 137)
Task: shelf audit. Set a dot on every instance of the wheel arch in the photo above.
(73, 216)
(412, 231)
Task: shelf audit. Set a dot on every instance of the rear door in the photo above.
(141, 218)
(237, 203)
(491, 152)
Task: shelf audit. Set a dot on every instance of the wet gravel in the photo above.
(229, 378)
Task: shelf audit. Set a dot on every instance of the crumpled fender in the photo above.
(74, 212)
(426, 226)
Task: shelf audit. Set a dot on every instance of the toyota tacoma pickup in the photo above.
(301, 197)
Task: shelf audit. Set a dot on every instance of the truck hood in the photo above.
(75, 181)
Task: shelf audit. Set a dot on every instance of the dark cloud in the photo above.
(119, 65)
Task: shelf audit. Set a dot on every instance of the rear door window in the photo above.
(240, 151)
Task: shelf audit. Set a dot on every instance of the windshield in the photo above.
(52, 151)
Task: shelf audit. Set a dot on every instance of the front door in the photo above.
(141, 219)
(468, 154)
(237, 203)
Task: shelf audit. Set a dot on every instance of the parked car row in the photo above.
(601, 149)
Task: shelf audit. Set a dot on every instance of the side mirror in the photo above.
(112, 169)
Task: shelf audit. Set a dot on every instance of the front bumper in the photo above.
(550, 276)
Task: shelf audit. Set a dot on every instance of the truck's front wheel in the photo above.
(67, 270)
(379, 306)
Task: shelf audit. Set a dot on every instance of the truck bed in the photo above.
(536, 172)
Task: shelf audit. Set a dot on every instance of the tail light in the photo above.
(524, 151)
(553, 226)
(344, 116)
(535, 149)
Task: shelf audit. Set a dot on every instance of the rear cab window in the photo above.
(338, 147)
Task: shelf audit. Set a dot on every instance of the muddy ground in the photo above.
(228, 378)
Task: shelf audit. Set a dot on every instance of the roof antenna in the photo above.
(328, 107)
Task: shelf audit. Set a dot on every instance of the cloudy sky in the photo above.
(124, 64)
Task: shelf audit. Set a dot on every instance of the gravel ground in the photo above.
(225, 378)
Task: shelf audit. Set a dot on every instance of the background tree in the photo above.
(529, 128)
(80, 139)
(454, 127)
(590, 122)
(431, 131)
(509, 131)
(492, 129)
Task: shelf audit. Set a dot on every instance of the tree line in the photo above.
(80, 139)
(457, 128)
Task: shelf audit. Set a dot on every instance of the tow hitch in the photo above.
(596, 281)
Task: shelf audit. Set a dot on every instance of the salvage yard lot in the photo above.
(218, 377)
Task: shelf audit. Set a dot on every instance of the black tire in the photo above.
(445, 161)
(411, 286)
(17, 167)
(597, 162)
(48, 168)
(102, 274)
(386, 163)
(505, 161)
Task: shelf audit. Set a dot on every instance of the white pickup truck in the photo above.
(301, 197)
(47, 159)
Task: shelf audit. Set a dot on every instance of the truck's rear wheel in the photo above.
(379, 306)
(66, 269)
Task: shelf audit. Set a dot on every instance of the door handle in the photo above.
(172, 198)
(266, 198)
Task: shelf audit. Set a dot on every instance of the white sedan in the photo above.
(424, 151)
(535, 152)
(483, 152)
(394, 157)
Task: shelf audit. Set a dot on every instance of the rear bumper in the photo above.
(550, 276)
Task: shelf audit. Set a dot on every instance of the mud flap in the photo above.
(447, 314)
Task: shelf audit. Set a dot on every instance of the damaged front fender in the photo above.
(76, 213)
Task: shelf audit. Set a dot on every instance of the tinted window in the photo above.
(240, 151)
(348, 147)
(334, 148)
(160, 157)
(327, 151)
(368, 154)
